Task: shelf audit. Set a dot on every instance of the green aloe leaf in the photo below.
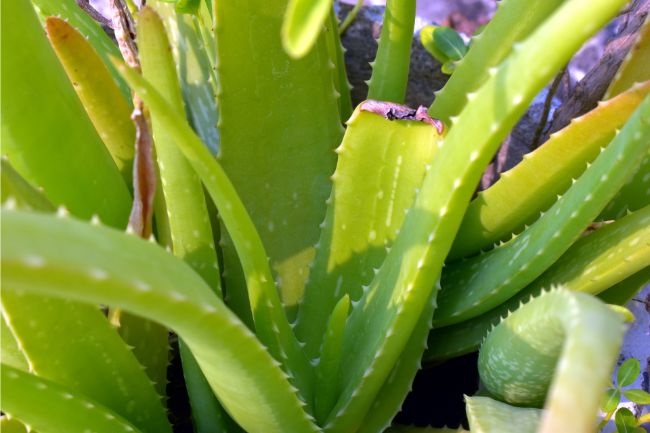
(387, 313)
(276, 148)
(544, 353)
(190, 229)
(56, 142)
(75, 345)
(193, 46)
(271, 324)
(73, 260)
(48, 406)
(390, 68)
(605, 258)
(512, 23)
(475, 286)
(341, 83)
(363, 215)
(303, 23)
(16, 188)
(486, 415)
(12, 425)
(628, 372)
(533, 185)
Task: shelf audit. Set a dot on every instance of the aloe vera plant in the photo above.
(308, 255)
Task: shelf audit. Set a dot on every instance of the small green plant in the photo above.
(625, 421)
(445, 45)
(216, 182)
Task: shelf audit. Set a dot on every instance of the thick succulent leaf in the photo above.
(73, 260)
(47, 406)
(189, 224)
(279, 122)
(593, 264)
(636, 66)
(15, 187)
(623, 292)
(413, 429)
(486, 415)
(193, 49)
(271, 324)
(390, 70)
(387, 313)
(56, 142)
(532, 186)
(329, 362)
(476, 285)
(513, 22)
(74, 345)
(558, 350)
(101, 42)
(11, 425)
(390, 398)
(303, 23)
(634, 195)
(190, 229)
(364, 213)
(10, 351)
(106, 106)
(335, 50)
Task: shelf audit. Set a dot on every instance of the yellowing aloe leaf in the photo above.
(101, 97)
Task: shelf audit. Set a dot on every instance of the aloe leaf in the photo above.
(634, 195)
(363, 214)
(636, 66)
(303, 23)
(532, 186)
(47, 406)
(413, 429)
(329, 362)
(10, 351)
(559, 350)
(278, 125)
(271, 324)
(77, 18)
(15, 187)
(190, 229)
(387, 313)
(594, 263)
(393, 392)
(513, 21)
(106, 106)
(51, 334)
(62, 257)
(195, 69)
(479, 284)
(486, 415)
(82, 351)
(12, 425)
(390, 69)
(336, 50)
(623, 292)
(56, 142)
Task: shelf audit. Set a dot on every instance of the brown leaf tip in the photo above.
(393, 111)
